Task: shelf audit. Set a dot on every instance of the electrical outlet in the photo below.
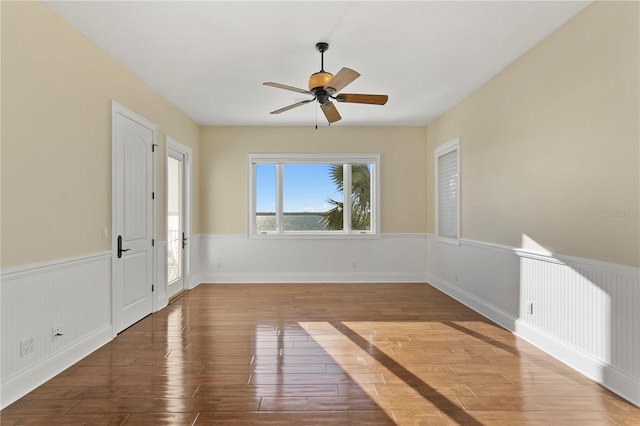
(105, 232)
(56, 332)
(27, 346)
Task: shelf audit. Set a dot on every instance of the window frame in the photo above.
(344, 159)
(442, 150)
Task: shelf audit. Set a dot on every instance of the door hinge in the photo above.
(152, 287)
(153, 147)
(153, 242)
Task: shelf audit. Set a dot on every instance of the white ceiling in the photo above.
(210, 58)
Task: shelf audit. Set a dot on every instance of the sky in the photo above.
(306, 188)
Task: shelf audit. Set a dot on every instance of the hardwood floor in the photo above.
(339, 354)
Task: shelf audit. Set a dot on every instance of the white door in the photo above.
(176, 237)
(133, 140)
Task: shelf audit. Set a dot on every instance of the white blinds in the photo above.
(448, 195)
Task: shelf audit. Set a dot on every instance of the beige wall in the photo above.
(550, 146)
(56, 137)
(224, 167)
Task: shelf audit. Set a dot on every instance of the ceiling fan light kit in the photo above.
(325, 86)
(319, 80)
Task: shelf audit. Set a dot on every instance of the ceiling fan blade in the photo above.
(330, 112)
(284, 86)
(362, 99)
(340, 80)
(292, 106)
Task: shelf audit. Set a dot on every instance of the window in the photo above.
(313, 195)
(447, 165)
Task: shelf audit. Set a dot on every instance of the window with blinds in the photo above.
(448, 191)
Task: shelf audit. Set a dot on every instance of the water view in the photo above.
(291, 222)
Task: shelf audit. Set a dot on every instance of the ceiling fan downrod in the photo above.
(322, 47)
(319, 80)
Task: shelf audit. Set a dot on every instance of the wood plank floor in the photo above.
(343, 354)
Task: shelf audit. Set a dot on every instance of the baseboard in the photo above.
(610, 377)
(19, 385)
(314, 277)
(493, 313)
(195, 282)
(613, 379)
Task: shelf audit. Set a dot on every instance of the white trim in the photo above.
(313, 277)
(419, 235)
(22, 271)
(482, 244)
(257, 158)
(630, 271)
(319, 235)
(279, 160)
(608, 267)
(222, 236)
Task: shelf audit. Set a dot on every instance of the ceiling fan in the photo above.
(324, 86)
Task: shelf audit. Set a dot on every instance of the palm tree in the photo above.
(360, 198)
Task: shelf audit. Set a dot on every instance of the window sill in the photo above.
(451, 241)
(316, 236)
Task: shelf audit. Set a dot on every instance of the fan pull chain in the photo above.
(316, 116)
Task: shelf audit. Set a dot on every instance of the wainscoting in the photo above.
(72, 294)
(584, 312)
(160, 299)
(237, 258)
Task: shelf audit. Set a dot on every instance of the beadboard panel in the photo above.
(585, 312)
(160, 283)
(237, 258)
(72, 294)
(195, 262)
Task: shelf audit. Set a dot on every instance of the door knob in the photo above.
(120, 249)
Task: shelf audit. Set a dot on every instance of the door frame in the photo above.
(116, 108)
(172, 144)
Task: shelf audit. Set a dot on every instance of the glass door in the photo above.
(176, 239)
